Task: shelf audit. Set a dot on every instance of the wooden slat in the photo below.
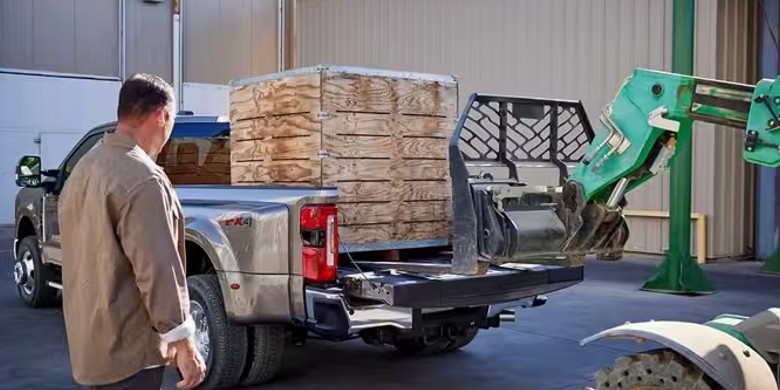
(277, 171)
(191, 168)
(383, 124)
(423, 148)
(385, 212)
(359, 234)
(364, 93)
(186, 158)
(289, 95)
(275, 126)
(200, 178)
(362, 146)
(367, 191)
(277, 149)
(335, 170)
(350, 146)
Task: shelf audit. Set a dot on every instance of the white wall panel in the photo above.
(46, 115)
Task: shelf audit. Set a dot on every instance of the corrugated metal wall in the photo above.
(223, 39)
(556, 48)
(229, 39)
(69, 36)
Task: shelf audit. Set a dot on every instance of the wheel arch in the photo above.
(24, 228)
(198, 260)
(726, 360)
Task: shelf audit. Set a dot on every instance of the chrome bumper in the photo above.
(328, 312)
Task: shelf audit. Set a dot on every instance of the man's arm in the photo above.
(146, 231)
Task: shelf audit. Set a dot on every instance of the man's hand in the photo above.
(190, 364)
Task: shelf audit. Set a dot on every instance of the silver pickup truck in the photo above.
(265, 268)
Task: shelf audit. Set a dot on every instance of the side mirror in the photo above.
(28, 172)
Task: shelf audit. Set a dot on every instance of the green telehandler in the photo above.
(639, 130)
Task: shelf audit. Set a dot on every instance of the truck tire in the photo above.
(660, 369)
(32, 277)
(222, 344)
(266, 350)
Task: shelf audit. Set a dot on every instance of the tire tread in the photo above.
(229, 342)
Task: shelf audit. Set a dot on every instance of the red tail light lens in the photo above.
(319, 234)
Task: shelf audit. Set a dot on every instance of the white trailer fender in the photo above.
(732, 364)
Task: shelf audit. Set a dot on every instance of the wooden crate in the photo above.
(380, 137)
(196, 162)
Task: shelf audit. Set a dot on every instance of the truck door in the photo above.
(51, 227)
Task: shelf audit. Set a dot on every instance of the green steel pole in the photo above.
(679, 273)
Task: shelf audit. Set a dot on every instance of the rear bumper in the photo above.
(329, 312)
(402, 304)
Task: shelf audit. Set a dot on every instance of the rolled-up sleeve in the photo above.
(147, 231)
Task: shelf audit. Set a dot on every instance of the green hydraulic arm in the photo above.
(637, 137)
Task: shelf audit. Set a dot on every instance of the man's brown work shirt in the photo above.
(124, 286)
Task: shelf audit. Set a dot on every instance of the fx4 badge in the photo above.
(241, 220)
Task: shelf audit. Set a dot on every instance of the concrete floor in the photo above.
(538, 352)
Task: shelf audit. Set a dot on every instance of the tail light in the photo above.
(319, 234)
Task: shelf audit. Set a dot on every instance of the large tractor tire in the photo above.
(654, 370)
(222, 344)
(265, 354)
(32, 277)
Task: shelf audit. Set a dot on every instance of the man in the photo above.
(125, 298)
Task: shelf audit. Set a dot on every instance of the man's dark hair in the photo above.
(141, 94)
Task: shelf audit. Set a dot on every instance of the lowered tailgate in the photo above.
(430, 284)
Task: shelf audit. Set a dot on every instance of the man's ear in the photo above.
(160, 116)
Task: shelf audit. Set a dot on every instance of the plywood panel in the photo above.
(288, 95)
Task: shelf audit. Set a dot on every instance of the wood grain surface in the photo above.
(376, 94)
(354, 123)
(385, 212)
(386, 191)
(275, 126)
(277, 149)
(272, 172)
(399, 232)
(289, 95)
